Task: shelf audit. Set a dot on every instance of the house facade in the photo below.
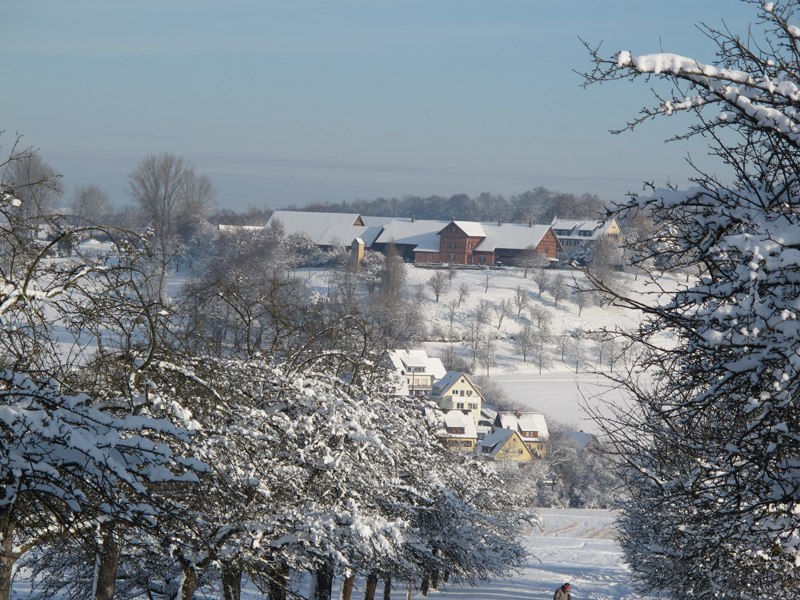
(458, 432)
(455, 391)
(531, 427)
(576, 236)
(504, 444)
(418, 370)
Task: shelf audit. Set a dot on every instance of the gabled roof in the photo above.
(579, 439)
(522, 422)
(443, 385)
(422, 234)
(471, 228)
(511, 236)
(404, 359)
(326, 228)
(457, 420)
(581, 228)
(494, 442)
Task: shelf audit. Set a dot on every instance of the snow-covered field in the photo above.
(574, 545)
(559, 392)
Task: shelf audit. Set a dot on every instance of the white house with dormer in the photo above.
(418, 370)
(576, 236)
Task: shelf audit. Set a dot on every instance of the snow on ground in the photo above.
(575, 545)
(559, 392)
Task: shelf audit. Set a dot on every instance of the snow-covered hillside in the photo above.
(560, 391)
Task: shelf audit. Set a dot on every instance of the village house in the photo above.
(576, 236)
(531, 427)
(505, 445)
(417, 369)
(581, 441)
(425, 241)
(455, 391)
(458, 432)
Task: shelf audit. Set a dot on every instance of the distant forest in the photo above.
(538, 205)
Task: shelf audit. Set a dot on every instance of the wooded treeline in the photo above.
(538, 205)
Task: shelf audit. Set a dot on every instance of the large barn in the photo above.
(425, 241)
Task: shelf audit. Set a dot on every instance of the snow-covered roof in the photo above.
(405, 359)
(326, 228)
(525, 422)
(450, 378)
(581, 228)
(512, 236)
(455, 421)
(471, 228)
(235, 228)
(422, 234)
(579, 439)
(494, 441)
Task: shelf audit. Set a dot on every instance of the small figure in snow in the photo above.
(562, 593)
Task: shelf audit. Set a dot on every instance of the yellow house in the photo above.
(455, 391)
(530, 426)
(504, 444)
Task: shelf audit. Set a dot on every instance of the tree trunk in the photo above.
(7, 555)
(435, 579)
(324, 587)
(426, 584)
(387, 588)
(371, 586)
(231, 582)
(347, 587)
(108, 559)
(278, 581)
(188, 581)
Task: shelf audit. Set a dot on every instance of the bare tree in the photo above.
(559, 289)
(582, 299)
(540, 316)
(501, 310)
(439, 284)
(32, 181)
(542, 279)
(524, 340)
(91, 204)
(174, 199)
(521, 299)
(463, 293)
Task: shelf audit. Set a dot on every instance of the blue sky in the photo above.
(300, 101)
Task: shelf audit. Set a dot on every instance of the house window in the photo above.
(482, 260)
(461, 393)
(469, 392)
(452, 245)
(452, 258)
(460, 405)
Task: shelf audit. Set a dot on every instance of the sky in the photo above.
(286, 103)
